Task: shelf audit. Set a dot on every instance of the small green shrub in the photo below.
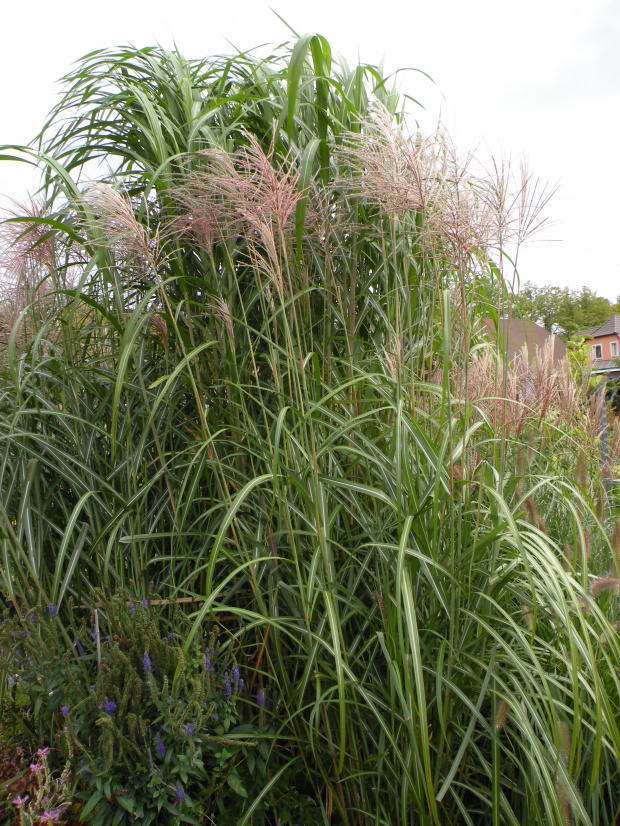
(152, 728)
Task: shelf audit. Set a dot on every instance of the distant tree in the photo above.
(564, 311)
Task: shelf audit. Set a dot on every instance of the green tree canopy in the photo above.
(564, 311)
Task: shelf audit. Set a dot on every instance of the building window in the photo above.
(614, 349)
(597, 351)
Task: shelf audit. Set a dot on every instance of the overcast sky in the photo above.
(534, 78)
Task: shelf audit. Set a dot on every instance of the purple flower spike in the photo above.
(147, 663)
(241, 684)
(132, 607)
(227, 685)
(261, 698)
(65, 711)
(52, 612)
(145, 603)
(170, 637)
(180, 793)
(161, 749)
(236, 673)
(109, 706)
(190, 730)
(31, 617)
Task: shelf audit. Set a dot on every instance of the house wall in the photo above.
(605, 342)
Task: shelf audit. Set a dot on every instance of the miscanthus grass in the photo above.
(261, 386)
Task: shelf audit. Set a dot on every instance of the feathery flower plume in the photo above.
(246, 195)
(159, 324)
(531, 510)
(581, 472)
(501, 714)
(114, 222)
(564, 738)
(528, 616)
(586, 545)
(28, 253)
(221, 311)
(583, 605)
(564, 801)
(605, 583)
(386, 168)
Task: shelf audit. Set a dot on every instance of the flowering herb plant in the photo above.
(51, 795)
(153, 731)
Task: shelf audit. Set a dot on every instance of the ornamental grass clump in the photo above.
(270, 398)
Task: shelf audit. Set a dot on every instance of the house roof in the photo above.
(607, 329)
(606, 366)
(523, 331)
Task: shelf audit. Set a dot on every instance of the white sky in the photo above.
(534, 78)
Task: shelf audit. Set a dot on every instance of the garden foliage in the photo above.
(151, 731)
(248, 371)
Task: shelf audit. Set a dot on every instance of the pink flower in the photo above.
(19, 800)
(47, 817)
(43, 753)
(34, 768)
